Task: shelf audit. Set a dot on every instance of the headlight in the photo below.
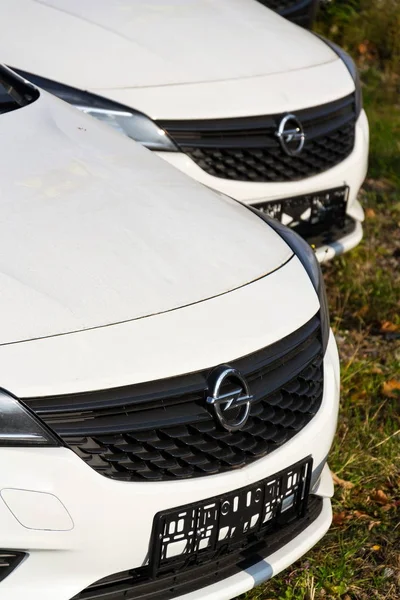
(351, 67)
(19, 427)
(309, 261)
(129, 122)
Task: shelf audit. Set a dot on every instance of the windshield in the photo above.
(15, 92)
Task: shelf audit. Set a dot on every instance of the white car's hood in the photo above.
(98, 44)
(96, 230)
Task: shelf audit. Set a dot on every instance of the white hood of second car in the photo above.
(96, 230)
(100, 44)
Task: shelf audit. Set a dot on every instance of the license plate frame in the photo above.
(208, 526)
(310, 212)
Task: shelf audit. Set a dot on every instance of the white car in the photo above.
(228, 92)
(169, 385)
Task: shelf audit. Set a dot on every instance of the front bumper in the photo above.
(350, 172)
(78, 527)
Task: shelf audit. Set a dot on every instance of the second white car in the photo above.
(228, 92)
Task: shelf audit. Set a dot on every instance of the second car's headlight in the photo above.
(351, 67)
(127, 121)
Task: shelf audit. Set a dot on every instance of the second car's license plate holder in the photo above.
(318, 209)
(202, 528)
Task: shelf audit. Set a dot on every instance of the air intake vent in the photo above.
(9, 560)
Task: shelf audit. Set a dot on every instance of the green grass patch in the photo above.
(359, 558)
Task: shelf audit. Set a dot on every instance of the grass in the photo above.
(359, 558)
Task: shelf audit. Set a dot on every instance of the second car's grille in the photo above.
(165, 430)
(248, 149)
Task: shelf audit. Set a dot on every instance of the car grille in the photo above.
(164, 429)
(247, 149)
(137, 584)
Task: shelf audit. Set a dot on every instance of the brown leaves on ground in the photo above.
(380, 497)
(391, 388)
(378, 185)
(347, 517)
(340, 518)
(347, 485)
(388, 326)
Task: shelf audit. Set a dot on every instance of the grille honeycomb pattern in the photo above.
(165, 430)
(247, 148)
(185, 451)
(272, 164)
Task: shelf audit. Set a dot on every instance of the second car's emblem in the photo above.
(230, 396)
(291, 135)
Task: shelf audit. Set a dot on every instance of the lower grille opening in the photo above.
(137, 584)
(328, 235)
(9, 560)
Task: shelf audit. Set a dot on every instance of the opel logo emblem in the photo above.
(230, 397)
(291, 135)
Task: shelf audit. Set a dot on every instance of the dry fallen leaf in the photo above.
(339, 518)
(347, 485)
(362, 48)
(380, 497)
(376, 547)
(373, 524)
(370, 213)
(360, 515)
(391, 388)
(361, 312)
(389, 326)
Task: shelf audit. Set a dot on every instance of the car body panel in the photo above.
(97, 230)
(173, 343)
(263, 95)
(135, 43)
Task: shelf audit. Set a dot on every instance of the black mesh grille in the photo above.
(164, 429)
(137, 584)
(247, 149)
(281, 5)
(9, 560)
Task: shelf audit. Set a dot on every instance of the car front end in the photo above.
(170, 387)
(81, 515)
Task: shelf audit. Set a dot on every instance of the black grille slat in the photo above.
(9, 560)
(280, 5)
(144, 440)
(247, 148)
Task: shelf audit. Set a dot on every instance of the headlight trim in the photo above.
(128, 121)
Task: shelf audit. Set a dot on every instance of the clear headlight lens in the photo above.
(123, 119)
(19, 427)
(309, 261)
(351, 67)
